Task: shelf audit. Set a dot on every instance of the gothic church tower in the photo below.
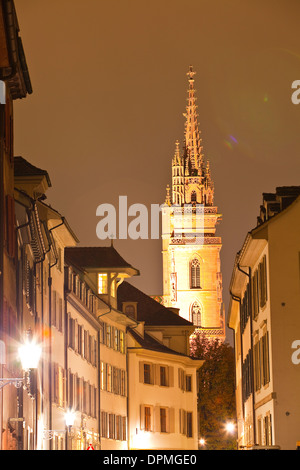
(192, 280)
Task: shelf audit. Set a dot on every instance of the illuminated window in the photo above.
(122, 342)
(102, 283)
(108, 377)
(102, 376)
(147, 418)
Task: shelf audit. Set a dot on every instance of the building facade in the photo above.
(97, 272)
(15, 84)
(162, 377)
(264, 314)
(192, 279)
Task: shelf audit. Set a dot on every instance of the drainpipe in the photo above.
(249, 275)
(50, 329)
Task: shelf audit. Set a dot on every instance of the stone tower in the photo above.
(192, 280)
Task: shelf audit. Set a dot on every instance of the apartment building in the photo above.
(162, 411)
(264, 314)
(102, 269)
(15, 84)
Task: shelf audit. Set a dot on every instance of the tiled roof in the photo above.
(148, 310)
(95, 257)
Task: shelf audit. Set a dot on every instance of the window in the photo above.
(265, 358)
(188, 383)
(267, 423)
(163, 376)
(102, 376)
(147, 373)
(195, 313)
(163, 420)
(195, 274)
(147, 414)
(116, 339)
(130, 309)
(109, 378)
(193, 196)
(102, 283)
(189, 424)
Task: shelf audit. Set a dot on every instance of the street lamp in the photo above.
(69, 419)
(202, 442)
(230, 427)
(29, 354)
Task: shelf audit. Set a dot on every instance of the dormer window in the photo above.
(102, 283)
(130, 309)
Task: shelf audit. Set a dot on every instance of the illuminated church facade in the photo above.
(192, 279)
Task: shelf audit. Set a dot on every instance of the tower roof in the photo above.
(192, 133)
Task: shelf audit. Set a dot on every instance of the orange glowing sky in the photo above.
(109, 89)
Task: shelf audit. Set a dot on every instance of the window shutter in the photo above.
(10, 225)
(53, 309)
(156, 419)
(156, 374)
(171, 376)
(142, 417)
(141, 372)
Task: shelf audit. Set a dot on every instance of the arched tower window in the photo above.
(195, 313)
(195, 274)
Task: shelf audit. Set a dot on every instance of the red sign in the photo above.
(90, 447)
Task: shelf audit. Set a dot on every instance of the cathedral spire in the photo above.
(192, 133)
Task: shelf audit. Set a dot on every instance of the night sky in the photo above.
(109, 90)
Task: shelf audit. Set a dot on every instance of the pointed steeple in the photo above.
(192, 133)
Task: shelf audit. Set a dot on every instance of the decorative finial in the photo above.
(191, 73)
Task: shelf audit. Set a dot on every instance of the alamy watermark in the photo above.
(296, 94)
(296, 354)
(135, 221)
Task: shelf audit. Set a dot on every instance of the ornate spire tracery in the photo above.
(192, 133)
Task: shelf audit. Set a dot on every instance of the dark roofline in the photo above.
(97, 257)
(148, 342)
(22, 167)
(148, 309)
(17, 75)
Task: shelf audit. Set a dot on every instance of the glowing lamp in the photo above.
(30, 354)
(70, 418)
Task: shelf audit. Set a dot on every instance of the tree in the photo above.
(216, 391)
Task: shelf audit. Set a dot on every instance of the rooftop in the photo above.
(96, 257)
(23, 168)
(148, 310)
